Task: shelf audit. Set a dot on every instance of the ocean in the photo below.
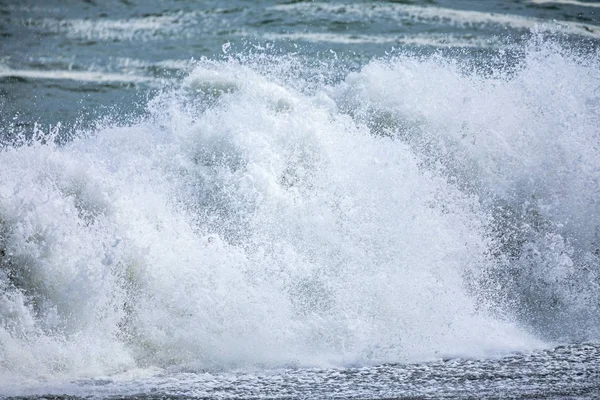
(300, 199)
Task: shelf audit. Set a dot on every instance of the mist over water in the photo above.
(417, 209)
(524, 141)
(268, 208)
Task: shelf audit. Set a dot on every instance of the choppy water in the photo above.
(565, 372)
(305, 199)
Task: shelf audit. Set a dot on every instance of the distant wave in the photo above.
(435, 40)
(82, 76)
(445, 16)
(578, 3)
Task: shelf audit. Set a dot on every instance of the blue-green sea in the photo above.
(300, 199)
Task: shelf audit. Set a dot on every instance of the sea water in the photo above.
(300, 199)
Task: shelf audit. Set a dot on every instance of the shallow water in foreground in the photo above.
(564, 372)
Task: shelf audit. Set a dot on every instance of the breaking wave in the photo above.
(419, 208)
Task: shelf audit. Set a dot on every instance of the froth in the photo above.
(525, 147)
(246, 221)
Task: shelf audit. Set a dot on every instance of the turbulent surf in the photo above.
(264, 210)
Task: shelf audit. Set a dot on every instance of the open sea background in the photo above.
(300, 199)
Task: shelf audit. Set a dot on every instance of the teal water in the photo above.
(300, 199)
(133, 48)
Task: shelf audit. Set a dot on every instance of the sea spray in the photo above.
(413, 211)
(524, 140)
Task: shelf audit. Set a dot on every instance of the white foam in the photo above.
(458, 18)
(331, 37)
(417, 39)
(246, 222)
(523, 141)
(143, 28)
(81, 76)
(568, 2)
